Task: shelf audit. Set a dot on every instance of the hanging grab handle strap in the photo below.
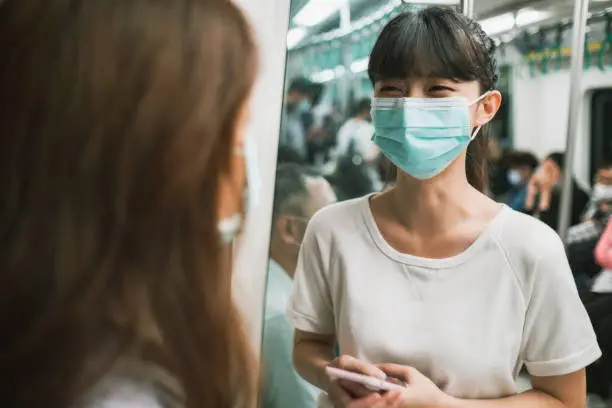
(545, 52)
(588, 56)
(558, 56)
(607, 42)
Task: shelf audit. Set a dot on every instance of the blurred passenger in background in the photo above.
(544, 192)
(355, 155)
(297, 115)
(598, 303)
(355, 135)
(121, 183)
(521, 166)
(352, 178)
(583, 238)
(601, 193)
(286, 154)
(298, 195)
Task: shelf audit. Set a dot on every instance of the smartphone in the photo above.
(371, 383)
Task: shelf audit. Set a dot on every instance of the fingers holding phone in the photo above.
(342, 391)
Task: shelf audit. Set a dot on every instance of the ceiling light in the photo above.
(360, 65)
(498, 24)
(317, 11)
(294, 36)
(530, 16)
(323, 76)
(507, 21)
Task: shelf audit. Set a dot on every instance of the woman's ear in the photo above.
(487, 108)
(285, 229)
(232, 183)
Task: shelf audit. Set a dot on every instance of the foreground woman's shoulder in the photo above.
(135, 384)
(522, 231)
(529, 244)
(340, 215)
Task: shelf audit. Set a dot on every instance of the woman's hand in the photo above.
(420, 391)
(347, 394)
(542, 183)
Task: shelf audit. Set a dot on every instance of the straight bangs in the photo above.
(433, 43)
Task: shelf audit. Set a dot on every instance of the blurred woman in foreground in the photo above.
(121, 188)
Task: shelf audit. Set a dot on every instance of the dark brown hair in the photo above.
(440, 42)
(117, 122)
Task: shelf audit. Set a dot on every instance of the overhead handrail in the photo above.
(532, 61)
(546, 54)
(558, 53)
(588, 55)
(607, 43)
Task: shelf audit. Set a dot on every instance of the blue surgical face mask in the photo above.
(304, 106)
(230, 227)
(422, 136)
(514, 177)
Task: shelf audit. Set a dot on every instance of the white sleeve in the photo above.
(558, 337)
(367, 148)
(311, 307)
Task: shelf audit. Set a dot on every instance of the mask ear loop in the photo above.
(477, 100)
(230, 227)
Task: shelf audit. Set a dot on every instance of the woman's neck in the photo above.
(433, 206)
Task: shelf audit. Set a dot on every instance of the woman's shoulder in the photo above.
(135, 384)
(525, 240)
(338, 215)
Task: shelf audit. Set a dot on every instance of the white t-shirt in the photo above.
(468, 322)
(360, 133)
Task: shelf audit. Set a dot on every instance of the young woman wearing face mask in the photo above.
(431, 281)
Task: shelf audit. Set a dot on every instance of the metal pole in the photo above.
(347, 58)
(581, 10)
(467, 8)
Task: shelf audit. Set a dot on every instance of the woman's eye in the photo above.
(390, 89)
(440, 88)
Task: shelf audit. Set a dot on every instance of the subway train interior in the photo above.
(306, 203)
(555, 80)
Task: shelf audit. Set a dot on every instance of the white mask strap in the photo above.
(475, 133)
(480, 98)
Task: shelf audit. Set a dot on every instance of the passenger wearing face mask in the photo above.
(431, 281)
(521, 167)
(297, 116)
(601, 193)
(598, 300)
(546, 201)
(583, 237)
(298, 195)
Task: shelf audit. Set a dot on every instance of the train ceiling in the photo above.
(484, 9)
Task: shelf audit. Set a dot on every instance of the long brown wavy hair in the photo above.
(117, 124)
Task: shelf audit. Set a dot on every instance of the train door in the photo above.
(601, 129)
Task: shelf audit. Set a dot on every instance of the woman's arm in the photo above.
(565, 391)
(603, 250)
(311, 354)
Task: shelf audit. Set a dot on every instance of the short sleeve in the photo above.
(311, 307)
(558, 337)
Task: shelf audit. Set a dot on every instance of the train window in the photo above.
(601, 129)
(502, 123)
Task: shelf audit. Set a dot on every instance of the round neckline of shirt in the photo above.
(431, 263)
